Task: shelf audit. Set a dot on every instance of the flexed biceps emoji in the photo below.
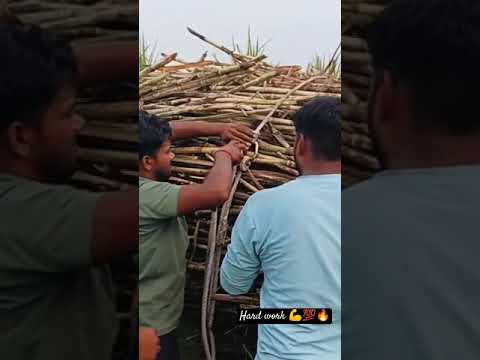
(294, 317)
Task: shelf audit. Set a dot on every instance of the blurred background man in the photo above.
(410, 239)
(56, 296)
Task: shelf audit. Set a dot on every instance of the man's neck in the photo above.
(19, 169)
(146, 175)
(323, 168)
(439, 152)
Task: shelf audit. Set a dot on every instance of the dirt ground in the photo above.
(233, 342)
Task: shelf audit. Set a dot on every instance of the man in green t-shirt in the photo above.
(162, 228)
(55, 290)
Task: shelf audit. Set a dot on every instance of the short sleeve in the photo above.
(158, 200)
(46, 228)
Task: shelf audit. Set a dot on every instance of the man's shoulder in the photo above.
(290, 190)
(263, 202)
(271, 194)
(373, 189)
(45, 204)
(146, 185)
(371, 209)
(364, 204)
(17, 188)
(158, 199)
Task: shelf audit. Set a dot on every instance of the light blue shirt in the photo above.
(291, 233)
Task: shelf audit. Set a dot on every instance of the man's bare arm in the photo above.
(103, 62)
(115, 226)
(228, 131)
(116, 215)
(216, 187)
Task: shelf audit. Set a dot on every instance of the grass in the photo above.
(326, 65)
(146, 55)
(253, 47)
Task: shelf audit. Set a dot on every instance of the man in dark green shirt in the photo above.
(55, 290)
(162, 228)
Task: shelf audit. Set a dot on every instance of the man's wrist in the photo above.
(224, 151)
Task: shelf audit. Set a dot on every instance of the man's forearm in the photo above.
(220, 176)
(214, 190)
(104, 62)
(191, 129)
(115, 226)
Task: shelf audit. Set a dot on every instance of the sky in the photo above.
(296, 30)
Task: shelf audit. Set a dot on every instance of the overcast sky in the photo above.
(297, 30)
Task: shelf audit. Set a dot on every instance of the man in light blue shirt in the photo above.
(291, 233)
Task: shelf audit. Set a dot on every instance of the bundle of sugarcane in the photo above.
(244, 92)
(359, 160)
(108, 157)
(248, 91)
(81, 20)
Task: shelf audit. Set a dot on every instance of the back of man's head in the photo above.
(153, 133)
(432, 48)
(35, 65)
(319, 122)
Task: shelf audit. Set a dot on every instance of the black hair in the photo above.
(35, 65)
(153, 133)
(432, 47)
(319, 121)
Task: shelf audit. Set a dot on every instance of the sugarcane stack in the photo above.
(81, 20)
(359, 160)
(109, 140)
(248, 91)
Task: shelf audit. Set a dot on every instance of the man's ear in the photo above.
(147, 162)
(20, 139)
(302, 145)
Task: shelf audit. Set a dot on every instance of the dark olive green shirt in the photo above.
(53, 303)
(162, 265)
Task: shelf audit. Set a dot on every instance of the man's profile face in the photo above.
(55, 148)
(162, 162)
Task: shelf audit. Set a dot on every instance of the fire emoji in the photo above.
(322, 315)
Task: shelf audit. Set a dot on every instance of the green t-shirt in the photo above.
(162, 265)
(53, 303)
